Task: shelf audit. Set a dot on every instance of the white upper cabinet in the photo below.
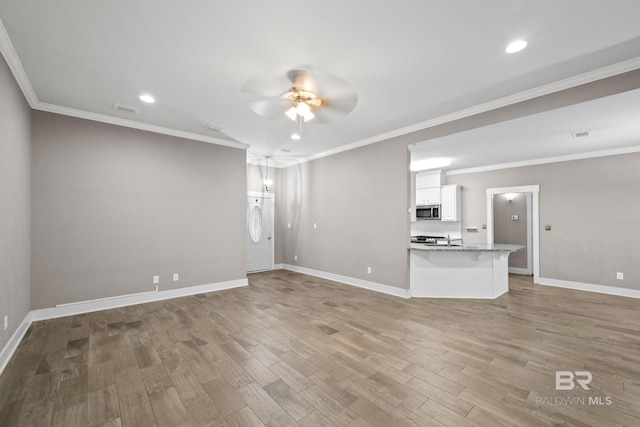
(450, 209)
(428, 196)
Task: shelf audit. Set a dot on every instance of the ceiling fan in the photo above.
(302, 95)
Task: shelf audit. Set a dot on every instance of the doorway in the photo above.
(260, 226)
(528, 197)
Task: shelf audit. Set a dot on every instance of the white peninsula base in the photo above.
(466, 271)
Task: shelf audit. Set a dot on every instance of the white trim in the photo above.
(372, 286)
(15, 65)
(272, 197)
(535, 216)
(581, 79)
(63, 310)
(517, 270)
(72, 112)
(546, 160)
(279, 266)
(11, 56)
(12, 345)
(589, 287)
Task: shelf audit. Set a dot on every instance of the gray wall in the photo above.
(332, 192)
(113, 207)
(358, 199)
(592, 206)
(15, 201)
(508, 230)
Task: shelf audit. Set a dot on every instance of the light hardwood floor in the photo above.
(292, 350)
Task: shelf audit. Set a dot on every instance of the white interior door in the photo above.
(259, 233)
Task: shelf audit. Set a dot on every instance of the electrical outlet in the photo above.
(620, 276)
(295, 257)
(288, 225)
(369, 270)
(6, 322)
(156, 280)
(176, 277)
(315, 226)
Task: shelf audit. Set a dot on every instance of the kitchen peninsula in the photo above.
(459, 271)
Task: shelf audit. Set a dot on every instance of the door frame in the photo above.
(533, 232)
(272, 197)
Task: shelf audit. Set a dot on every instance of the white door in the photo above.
(259, 233)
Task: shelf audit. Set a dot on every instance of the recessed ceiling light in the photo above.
(516, 46)
(147, 98)
(295, 136)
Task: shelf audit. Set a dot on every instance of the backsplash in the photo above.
(437, 228)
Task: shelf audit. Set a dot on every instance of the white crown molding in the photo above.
(546, 160)
(589, 77)
(7, 49)
(66, 111)
(273, 162)
(10, 55)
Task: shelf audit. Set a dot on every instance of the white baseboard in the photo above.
(372, 286)
(516, 270)
(601, 289)
(12, 345)
(63, 310)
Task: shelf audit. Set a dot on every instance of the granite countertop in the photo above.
(472, 247)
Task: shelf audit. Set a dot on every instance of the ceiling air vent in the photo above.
(126, 108)
(582, 134)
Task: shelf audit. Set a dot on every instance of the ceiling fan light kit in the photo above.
(309, 95)
(301, 103)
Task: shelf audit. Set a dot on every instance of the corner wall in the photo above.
(358, 201)
(15, 204)
(114, 206)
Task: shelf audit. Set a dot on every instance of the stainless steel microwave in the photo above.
(427, 212)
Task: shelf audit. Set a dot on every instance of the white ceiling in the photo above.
(412, 63)
(613, 124)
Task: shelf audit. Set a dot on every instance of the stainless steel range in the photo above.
(429, 240)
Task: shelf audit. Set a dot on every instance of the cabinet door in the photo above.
(421, 196)
(450, 209)
(433, 196)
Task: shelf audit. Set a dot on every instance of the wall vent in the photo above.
(582, 134)
(126, 108)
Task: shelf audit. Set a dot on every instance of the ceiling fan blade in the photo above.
(332, 109)
(267, 86)
(302, 79)
(341, 105)
(269, 108)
